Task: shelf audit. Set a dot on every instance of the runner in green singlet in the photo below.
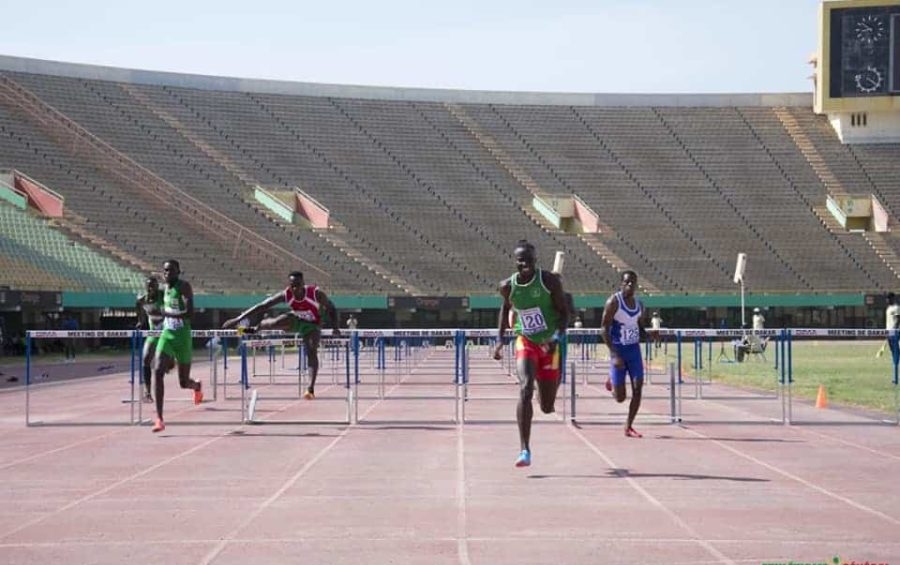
(537, 298)
(149, 313)
(174, 345)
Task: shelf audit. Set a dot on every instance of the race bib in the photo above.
(173, 324)
(532, 321)
(630, 336)
(305, 315)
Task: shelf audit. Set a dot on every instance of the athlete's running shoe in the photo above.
(608, 385)
(198, 394)
(158, 425)
(631, 432)
(309, 395)
(524, 459)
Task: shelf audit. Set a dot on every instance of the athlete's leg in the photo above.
(527, 360)
(311, 342)
(283, 322)
(615, 383)
(185, 380)
(617, 379)
(636, 372)
(163, 363)
(147, 368)
(184, 353)
(525, 372)
(547, 388)
(548, 379)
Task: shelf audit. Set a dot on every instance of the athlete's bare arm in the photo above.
(503, 322)
(266, 304)
(609, 311)
(323, 299)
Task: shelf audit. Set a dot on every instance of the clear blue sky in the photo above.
(547, 45)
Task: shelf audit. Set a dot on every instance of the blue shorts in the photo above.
(633, 365)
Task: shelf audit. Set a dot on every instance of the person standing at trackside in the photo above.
(891, 322)
(352, 323)
(759, 321)
(539, 302)
(655, 326)
(622, 329)
(69, 324)
(305, 318)
(175, 345)
(149, 308)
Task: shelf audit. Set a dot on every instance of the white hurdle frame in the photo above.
(404, 366)
(405, 361)
(32, 335)
(253, 344)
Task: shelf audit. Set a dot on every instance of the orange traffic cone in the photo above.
(821, 398)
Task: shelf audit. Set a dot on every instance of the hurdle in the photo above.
(133, 401)
(851, 341)
(407, 360)
(32, 387)
(208, 413)
(699, 363)
(592, 395)
(329, 350)
(505, 367)
(217, 349)
(258, 396)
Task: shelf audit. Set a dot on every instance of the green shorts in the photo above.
(303, 328)
(176, 344)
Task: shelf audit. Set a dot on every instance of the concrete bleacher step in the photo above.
(75, 226)
(827, 219)
(600, 248)
(32, 239)
(173, 122)
(116, 164)
(884, 250)
(334, 237)
(509, 163)
(494, 148)
(818, 163)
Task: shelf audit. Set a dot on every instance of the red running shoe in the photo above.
(198, 394)
(631, 432)
(158, 425)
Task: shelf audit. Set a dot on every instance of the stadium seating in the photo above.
(40, 258)
(432, 196)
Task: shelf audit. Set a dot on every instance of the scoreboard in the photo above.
(859, 56)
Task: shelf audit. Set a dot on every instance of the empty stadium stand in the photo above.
(428, 195)
(37, 257)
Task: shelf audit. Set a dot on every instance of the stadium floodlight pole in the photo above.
(739, 268)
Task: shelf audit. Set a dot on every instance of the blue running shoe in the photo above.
(524, 459)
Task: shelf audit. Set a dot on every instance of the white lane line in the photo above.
(461, 493)
(125, 428)
(108, 488)
(796, 478)
(120, 482)
(529, 537)
(847, 443)
(230, 536)
(721, 557)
